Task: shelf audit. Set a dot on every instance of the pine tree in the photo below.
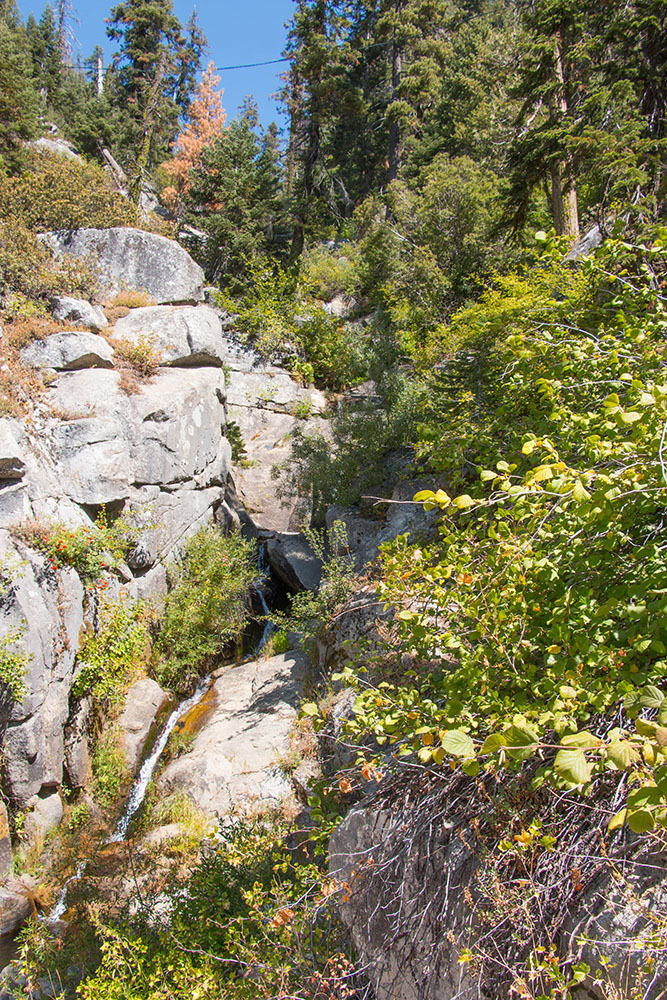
(235, 199)
(206, 120)
(145, 81)
(19, 101)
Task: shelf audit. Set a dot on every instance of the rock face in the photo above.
(411, 903)
(161, 457)
(248, 716)
(69, 310)
(134, 260)
(68, 351)
(265, 405)
(144, 702)
(184, 335)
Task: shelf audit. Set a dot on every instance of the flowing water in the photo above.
(140, 787)
(265, 570)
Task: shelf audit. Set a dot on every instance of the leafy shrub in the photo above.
(322, 348)
(546, 587)
(143, 357)
(91, 551)
(115, 653)
(110, 773)
(351, 459)
(326, 271)
(13, 665)
(207, 606)
(253, 919)
(57, 193)
(28, 270)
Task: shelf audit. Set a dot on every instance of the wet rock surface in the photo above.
(234, 760)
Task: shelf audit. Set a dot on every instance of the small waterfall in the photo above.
(265, 572)
(139, 789)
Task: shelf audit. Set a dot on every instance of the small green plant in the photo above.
(110, 773)
(13, 664)
(115, 653)
(235, 438)
(78, 817)
(90, 550)
(207, 606)
(179, 744)
(142, 356)
(302, 410)
(276, 644)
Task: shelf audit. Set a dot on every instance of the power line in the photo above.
(267, 62)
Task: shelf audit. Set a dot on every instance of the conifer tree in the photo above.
(145, 81)
(235, 199)
(19, 100)
(206, 120)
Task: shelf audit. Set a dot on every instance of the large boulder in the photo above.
(293, 559)
(134, 260)
(68, 310)
(46, 813)
(264, 407)
(235, 759)
(183, 335)
(144, 703)
(16, 906)
(68, 351)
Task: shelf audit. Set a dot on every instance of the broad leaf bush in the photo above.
(541, 607)
(207, 606)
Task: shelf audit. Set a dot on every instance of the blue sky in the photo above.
(240, 31)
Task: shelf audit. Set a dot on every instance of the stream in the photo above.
(139, 789)
(142, 781)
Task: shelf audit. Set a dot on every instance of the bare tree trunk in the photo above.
(149, 123)
(395, 129)
(563, 188)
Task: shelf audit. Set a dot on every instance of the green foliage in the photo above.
(313, 345)
(114, 653)
(352, 460)
(234, 199)
(311, 613)
(29, 276)
(540, 608)
(13, 665)
(252, 920)
(110, 773)
(91, 551)
(18, 95)
(206, 607)
(53, 192)
(328, 271)
(427, 248)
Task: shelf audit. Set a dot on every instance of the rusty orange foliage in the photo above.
(207, 119)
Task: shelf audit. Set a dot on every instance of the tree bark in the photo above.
(563, 188)
(395, 129)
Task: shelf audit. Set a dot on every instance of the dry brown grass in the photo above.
(133, 300)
